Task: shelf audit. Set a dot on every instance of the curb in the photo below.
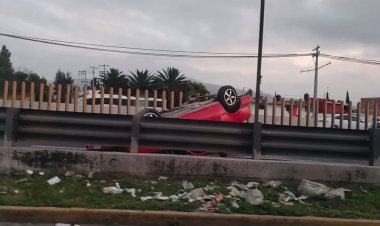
(161, 218)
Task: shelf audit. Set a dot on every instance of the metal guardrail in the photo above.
(25, 127)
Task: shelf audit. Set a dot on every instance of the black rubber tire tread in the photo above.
(229, 108)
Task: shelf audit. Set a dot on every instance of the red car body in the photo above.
(211, 112)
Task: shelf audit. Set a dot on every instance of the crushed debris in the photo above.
(131, 191)
(41, 173)
(90, 175)
(254, 197)
(3, 190)
(113, 189)
(272, 183)
(29, 172)
(187, 185)
(338, 192)
(162, 178)
(253, 184)
(54, 180)
(312, 189)
(22, 180)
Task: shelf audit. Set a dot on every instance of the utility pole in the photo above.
(83, 74)
(104, 68)
(260, 53)
(93, 75)
(315, 97)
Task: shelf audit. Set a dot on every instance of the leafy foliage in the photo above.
(170, 79)
(6, 68)
(64, 79)
(113, 78)
(141, 80)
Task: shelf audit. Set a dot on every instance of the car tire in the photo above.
(229, 99)
(150, 113)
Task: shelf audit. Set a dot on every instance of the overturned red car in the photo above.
(225, 106)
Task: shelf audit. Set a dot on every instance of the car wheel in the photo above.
(150, 113)
(228, 97)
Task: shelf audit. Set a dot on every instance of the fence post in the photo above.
(256, 146)
(374, 154)
(11, 115)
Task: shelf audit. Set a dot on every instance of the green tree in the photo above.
(141, 80)
(198, 87)
(113, 78)
(170, 79)
(34, 77)
(64, 79)
(6, 68)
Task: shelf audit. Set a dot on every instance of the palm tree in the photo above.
(113, 78)
(141, 80)
(170, 79)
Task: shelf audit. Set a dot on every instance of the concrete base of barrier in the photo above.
(160, 218)
(15, 159)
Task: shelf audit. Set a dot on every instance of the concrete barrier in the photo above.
(16, 159)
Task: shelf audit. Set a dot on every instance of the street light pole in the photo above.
(260, 53)
(316, 84)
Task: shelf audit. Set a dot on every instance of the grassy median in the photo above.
(363, 201)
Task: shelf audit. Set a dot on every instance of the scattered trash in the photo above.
(272, 183)
(54, 180)
(146, 198)
(69, 173)
(365, 191)
(338, 192)
(153, 182)
(113, 189)
(275, 204)
(162, 178)
(241, 186)
(3, 190)
(16, 191)
(41, 173)
(253, 184)
(29, 172)
(160, 196)
(90, 175)
(174, 198)
(254, 197)
(62, 190)
(22, 180)
(131, 191)
(210, 188)
(286, 197)
(312, 189)
(235, 205)
(138, 190)
(234, 192)
(218, 198)
(88, 184)
(196, 193)
(187, 185)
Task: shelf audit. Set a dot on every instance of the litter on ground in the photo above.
(54, 180)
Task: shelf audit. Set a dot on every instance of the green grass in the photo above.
(73, 192)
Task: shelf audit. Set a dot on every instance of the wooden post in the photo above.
(282, 111)
(341, 114)
(299, 112)
(291, 112)
(265, 109)
(50, 96)
(366, 115)
(84, 103)
(137, 104)
(316, 110)
(333, 114)
(23, 85)
(171, 99)
(67, 99)
(14, 93)
(120, 100)
(274, 111)
(76, 98)
(110, 99)
(59, 97)
(41, 97)
(93, 99)
(324, 113)
(5, 97)
(359, 107)
(164, 100)
(155, 100)
(350, 115)
(180, 98)
(102, 100)
(129, 91)
(146, 101)
(32, 96)
(308, 107)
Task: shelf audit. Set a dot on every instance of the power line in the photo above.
(351, 59)
(152, 53)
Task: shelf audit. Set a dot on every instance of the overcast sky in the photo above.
(340, 27)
